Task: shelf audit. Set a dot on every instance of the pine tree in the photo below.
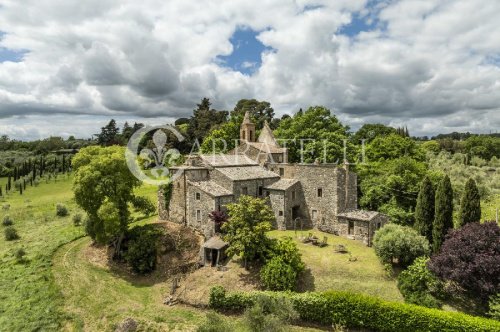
(470, 205)
(424, 211)
(443, 215)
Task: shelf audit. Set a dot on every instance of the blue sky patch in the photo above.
(247, 51)
(10, 55)
(367, 22)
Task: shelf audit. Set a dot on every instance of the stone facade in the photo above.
(321, 196)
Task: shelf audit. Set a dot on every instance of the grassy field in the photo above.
(330, 270)
(29, 297)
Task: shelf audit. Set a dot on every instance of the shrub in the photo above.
(470, 258)
(494, 306)
(287, 250)
(77, 219)
(278, 275)
(61, 210)
(142, 249)
(11, 234)
(359, 311)
(399, 242)
(417, 283)
(215, 323)
(7, 221)
(19, 254)
(269, 314)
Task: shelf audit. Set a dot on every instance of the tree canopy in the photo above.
(322, 134)
(103, 187)
(245, 231)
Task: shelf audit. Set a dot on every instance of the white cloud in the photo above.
(429, 64)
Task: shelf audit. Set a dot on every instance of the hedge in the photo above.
(359, 311)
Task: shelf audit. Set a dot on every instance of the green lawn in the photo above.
(330, 270)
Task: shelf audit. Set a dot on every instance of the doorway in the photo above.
(350, 230)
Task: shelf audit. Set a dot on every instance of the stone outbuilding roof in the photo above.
(361, 215)
(215, 242)
(223, 160)
(211, 188)
(282, 184)
(247, 173)
(265, 147)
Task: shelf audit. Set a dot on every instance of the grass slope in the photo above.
(330, 270)
(29, 298)
(98, 299)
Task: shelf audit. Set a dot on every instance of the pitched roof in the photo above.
(246, 119)
(222, 160)
(211, 188)
(215, 242)
(267, 136)
(246, 173)
(265, 147)
(362, 215)
(282, 184)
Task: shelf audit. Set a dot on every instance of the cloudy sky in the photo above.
(68, 66)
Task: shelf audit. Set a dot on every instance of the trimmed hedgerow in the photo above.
(359, 311)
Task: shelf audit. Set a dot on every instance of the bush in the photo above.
(359, 311)
(417, 283)
(269, 314)
(19, 254)
(287, 250)
(141, 252)
(11, 234)
(470, 259)
(7, 221)
(61, 210)
(278, 275)
(401, 243)
(215, 323)
(77, 219)
(494, 306)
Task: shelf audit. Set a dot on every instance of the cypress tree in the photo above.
(20, 190)
(424, 211)
(1, 191)
(443, 215)
(470, 204)
(9, 183)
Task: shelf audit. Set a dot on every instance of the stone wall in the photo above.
(277, 202)
(199, 209)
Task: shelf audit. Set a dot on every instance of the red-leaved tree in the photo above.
(470, 259)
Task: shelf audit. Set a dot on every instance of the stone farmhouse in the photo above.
(320, 196)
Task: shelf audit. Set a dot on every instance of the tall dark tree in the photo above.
(127, 132)
(204, 119)
(424, 210)
(443, 216)
(470, 205)
(109, 134)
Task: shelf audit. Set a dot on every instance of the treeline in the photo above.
(32, 170)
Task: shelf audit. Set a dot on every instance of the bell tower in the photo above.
(247, 129)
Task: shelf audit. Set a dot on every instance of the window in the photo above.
(379, 225)
(314, 214)
(267, 193)
(198, 196)
(280, 213)
(244, 190)
(320, 192)
(293, 194)
(260, 190)
(198, 215)
(282, 171)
